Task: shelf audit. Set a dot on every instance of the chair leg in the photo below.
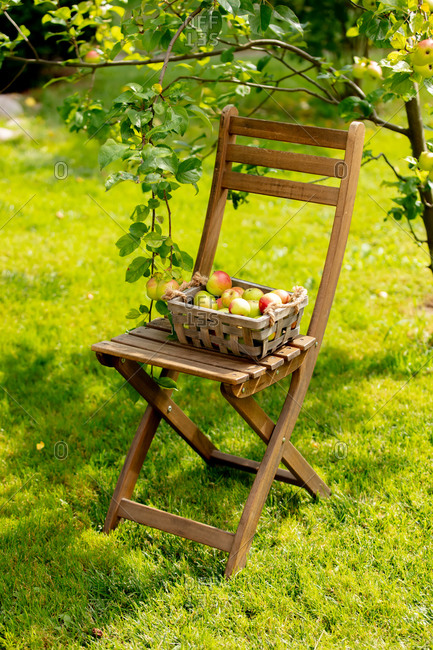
(262, 424)
(278, 443)
(134, 461)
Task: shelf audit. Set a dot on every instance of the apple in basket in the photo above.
(253, 293)
(218, 282)
(228, 296)
(240, 307)
(284, 295)
(204, 299)
(254, 309)
(269, 299)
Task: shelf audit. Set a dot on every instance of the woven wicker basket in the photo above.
(227, 333)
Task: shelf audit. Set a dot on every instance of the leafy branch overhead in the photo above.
(192, 58)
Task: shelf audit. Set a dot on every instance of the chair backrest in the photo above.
(343, 197)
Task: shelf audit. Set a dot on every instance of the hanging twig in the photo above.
(21, 33)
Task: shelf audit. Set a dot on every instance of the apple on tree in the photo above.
(425, 161)
(152, 286)
(426, 71)
(163, 285)
(423, 54)
(92, 56)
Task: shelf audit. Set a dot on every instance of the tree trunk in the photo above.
(418, 144)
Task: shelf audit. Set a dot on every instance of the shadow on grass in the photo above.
(66, 579)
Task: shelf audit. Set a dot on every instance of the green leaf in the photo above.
(111, 151)
(166, 382)
(161, 308)
(265, 16)
(133, 313)
(127, 244)
(228, 55)
(137, 268)
(261, 63)
(153, 239)
(189, 171)
(287, 15)
(119, 177)
(138, 229)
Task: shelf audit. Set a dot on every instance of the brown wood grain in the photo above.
(308, 192)
(284, 132)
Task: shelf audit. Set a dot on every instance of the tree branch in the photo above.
(253, 85)
(21, 33)
(174, 39)
(382, 155)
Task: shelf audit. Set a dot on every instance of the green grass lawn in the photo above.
(353, 571)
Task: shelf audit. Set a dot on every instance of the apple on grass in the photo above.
(204, 299)
(240, 307)
(269, 299)
(218, 282)
(253, 293)
(425, 161)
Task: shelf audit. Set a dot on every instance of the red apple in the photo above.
(218, 282)
(239, 290)
(228, 296)
(240, 307)
(253, 293)
(219, 303)
(284, 295)
(269, 299)
(92, 56)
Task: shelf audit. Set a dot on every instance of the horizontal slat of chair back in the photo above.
(307, 135)
(309, 192)
(295, 162)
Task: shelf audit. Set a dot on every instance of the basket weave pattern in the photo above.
(227, 333)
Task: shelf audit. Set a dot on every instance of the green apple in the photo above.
(423, 54)
(370, 5)
(425, 161)
(254, 309)
(92, 57)
(253, 293)
(228, 296)
(224, 310)
(426, 71)
(204, 299)
(152, 286)
(163, 285)
(240, 307)
(374, 71)
(359, 70)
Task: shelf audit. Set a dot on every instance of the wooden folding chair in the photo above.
(240, 378)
